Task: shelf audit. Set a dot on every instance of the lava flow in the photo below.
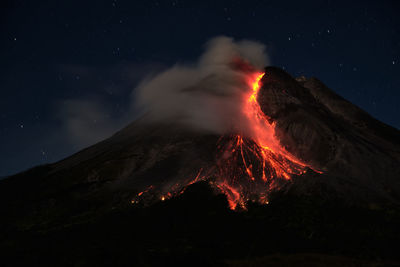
(248, 166)
(251, 166)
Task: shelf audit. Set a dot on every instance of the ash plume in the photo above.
(207, 94)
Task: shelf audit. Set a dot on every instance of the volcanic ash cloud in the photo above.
(206, 95)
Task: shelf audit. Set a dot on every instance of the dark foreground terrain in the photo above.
(197, 228)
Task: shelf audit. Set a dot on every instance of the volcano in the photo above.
(315, 176)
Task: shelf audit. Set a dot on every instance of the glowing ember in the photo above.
(250, 166)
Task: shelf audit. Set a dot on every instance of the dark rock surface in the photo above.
(359, 156)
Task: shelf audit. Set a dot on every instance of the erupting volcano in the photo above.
(247, 166)
(171, 184)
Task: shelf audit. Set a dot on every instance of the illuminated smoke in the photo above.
(205, 95)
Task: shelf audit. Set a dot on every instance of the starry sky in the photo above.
(68, 68)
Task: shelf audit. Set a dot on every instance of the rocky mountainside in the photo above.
(358, 154)
(357, 158)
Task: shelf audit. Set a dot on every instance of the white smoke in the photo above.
(205, 95)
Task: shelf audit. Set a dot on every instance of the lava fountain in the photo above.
(248, 166)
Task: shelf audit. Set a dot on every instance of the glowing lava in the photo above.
(248, 166)
(255, 164)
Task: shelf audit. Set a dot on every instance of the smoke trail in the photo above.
(205, 95)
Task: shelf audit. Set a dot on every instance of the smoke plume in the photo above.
(205, 95)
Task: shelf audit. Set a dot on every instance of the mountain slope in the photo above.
(360, 153)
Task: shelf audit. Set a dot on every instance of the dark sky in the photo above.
(68, 68)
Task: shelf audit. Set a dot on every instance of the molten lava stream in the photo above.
(252, 165)
(248, 166)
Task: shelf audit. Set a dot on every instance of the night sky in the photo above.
(68, 68)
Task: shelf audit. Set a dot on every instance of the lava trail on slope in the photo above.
(247, 166)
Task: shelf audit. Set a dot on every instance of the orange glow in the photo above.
(257, 163)
(249, 166)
